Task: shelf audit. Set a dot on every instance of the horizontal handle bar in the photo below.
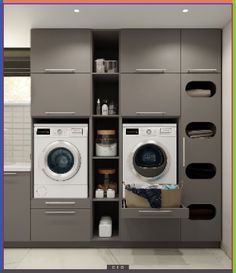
(151, 70)
(60, 113)
(155, 211)
(57, 70)
(9, 173)
(150, 113)
(60, 203)
(59, 212)
(200, 70)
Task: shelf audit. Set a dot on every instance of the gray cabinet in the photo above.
(60, 95)
(60, 225)
(16, 207)
(201, 50)
(150, 95)
(150, 230)
(150, 50)
(61, 50)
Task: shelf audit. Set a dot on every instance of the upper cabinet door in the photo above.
(150, 95)
(201, 50)
(150, 51)
(61, 50)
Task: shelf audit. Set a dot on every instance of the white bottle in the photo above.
(105, 108)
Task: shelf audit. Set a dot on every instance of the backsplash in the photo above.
(17, 133)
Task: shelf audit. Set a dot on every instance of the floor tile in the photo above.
(14, 255)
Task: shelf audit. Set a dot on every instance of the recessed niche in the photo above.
(201, 212)
(200, 170)
(200, 89)
(200, 130)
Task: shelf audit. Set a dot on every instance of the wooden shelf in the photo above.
(116, 199)
(105, 76)
(114, 237)
(103, 117)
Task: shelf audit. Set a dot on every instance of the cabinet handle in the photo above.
(151, 70)
(60, 113)
(59, 212)
(60, 203)
(58, 70)
(151, 113)
(183, 151)
(9, 173)
(202, 70)
(155, 211)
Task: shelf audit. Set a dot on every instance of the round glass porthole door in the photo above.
(62, 160)
(150, 160)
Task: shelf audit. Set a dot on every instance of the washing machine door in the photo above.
(149, 160)
(61, 160)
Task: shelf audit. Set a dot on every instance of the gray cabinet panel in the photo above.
(60, 95)
(60, 225)
(200, 49)
(16, 207)
(167, 230)
(150, 94)
(61, 49)
(150, 49)
(60, 203)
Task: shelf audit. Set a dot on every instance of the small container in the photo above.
(105, 108)
(99, 193)
(100, 65)
(107, 179)
(112, 108)
(110, 193)
(105, 227)
(106, 143)
(98, 108)
(111, 66)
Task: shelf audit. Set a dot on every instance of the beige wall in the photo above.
(226, 142)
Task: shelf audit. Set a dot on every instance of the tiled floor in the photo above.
(136, 258)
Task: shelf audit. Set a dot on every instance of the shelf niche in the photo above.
(195, 130)
(201, 212)
(201, 89)
(200, 170)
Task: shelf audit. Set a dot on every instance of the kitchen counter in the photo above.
(17, 167)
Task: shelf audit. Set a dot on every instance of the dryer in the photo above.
(149, 154)
(60, 161)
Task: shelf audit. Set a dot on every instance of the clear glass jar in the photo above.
(107, 179)
(106, 143)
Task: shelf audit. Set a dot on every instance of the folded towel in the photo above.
(199, 92)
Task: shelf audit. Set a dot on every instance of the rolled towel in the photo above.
(199, 92)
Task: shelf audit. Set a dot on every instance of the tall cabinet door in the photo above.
(200, 156)
(60, 95)
(150, 50)
(201, 50)
(61, 50)
(16, 207)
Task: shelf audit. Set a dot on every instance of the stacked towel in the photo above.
(199, 92)
(200, 133)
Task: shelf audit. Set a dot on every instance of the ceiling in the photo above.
(19, 19)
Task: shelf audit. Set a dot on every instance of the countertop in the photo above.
(17, 167)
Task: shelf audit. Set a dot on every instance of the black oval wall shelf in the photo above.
(196, 130)
(201, 212)
(200, 170)
(200, 89)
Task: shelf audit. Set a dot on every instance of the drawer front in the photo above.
(61, 95)
(154, 213)
(150, 50)
(60, 203)
(60, 225)
(61, 50)
(16, 206)
(150, 95)
(153, 230)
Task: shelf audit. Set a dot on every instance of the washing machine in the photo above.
(149, 154)
(60, 161)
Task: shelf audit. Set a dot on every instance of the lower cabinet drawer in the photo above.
(60, 225)
(170, 213)
(150, 230)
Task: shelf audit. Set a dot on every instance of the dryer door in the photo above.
(150, 160)
(61, 160)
